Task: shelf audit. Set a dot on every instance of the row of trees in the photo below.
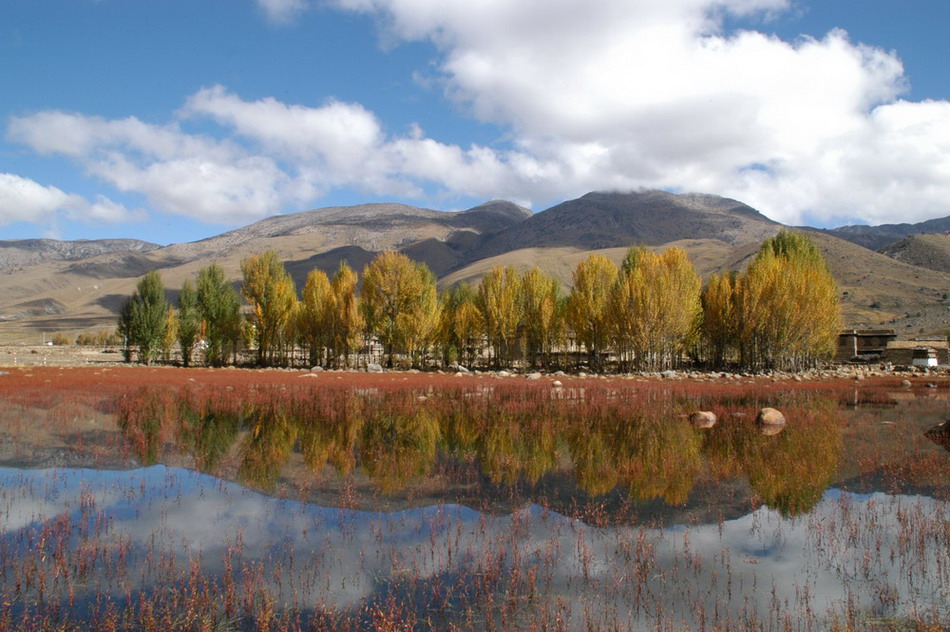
(649, 313)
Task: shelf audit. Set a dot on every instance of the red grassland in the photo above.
(50, 386)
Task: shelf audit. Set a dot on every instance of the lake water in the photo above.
(586, 508)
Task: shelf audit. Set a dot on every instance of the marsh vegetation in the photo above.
(484, 504)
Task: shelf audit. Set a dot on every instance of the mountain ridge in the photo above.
(718, 233)
(18, 252)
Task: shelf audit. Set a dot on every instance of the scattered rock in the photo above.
(770, 417)
(504, 374)
(669, 375)
(703, 419)
(906, 383)
(316, 369)
(308, 375)
(533, 376)
(373, 367)
(556, 384)
(768, 430)
(940, 434)
(461, 369)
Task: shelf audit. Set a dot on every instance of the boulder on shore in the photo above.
(703, 419)
(770, 417)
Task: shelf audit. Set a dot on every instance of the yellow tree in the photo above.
(788, 306)
(587, 310)
(655, 307)
(460, 330)
(272, 296)
(347, 320)
(315, 315)
(397, 293)
(498, 302)
(418, 327)
(541, 315)
(719, 318)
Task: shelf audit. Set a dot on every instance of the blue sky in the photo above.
(174, 121)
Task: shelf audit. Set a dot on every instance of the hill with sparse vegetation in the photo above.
(79, 287)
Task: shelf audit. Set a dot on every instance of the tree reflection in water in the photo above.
(607, 440)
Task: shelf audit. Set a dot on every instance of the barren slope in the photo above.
(927, 251)
(611, 220)
(719, 234)
(876, 237)
(16, 253)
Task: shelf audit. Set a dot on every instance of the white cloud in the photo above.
(282, 11)
(272, 157)
(186, 174)
(631, 93)
(25, 200)
(590, 94)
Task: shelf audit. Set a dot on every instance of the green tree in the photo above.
(143, 318)
(587, 306)
(498, 301)
(270, 291)
(220, 309)
(189, 321)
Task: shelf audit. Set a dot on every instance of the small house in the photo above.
(870, 345)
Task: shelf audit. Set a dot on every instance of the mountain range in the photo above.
(893, 275)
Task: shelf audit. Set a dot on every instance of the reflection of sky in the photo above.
(849, 548)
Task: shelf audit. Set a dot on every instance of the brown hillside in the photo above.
(926, 251)
(72, 296)
(613, 220)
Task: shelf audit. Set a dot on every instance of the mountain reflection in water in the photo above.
(103, 537)
(492, 506)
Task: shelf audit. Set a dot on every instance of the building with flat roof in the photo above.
(868, 345)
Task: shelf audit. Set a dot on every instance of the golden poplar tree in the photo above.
(788, 306)
(398, 302)
(498, 302)
(587, 312)
(315, 315)
(541, 314)
(720, 326)
(272, 296)
(461, 325)
(418, 327)
(347, 320)
(655, 307)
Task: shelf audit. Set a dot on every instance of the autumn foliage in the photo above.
(648, 314)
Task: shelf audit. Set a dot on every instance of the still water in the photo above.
(487, 508)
